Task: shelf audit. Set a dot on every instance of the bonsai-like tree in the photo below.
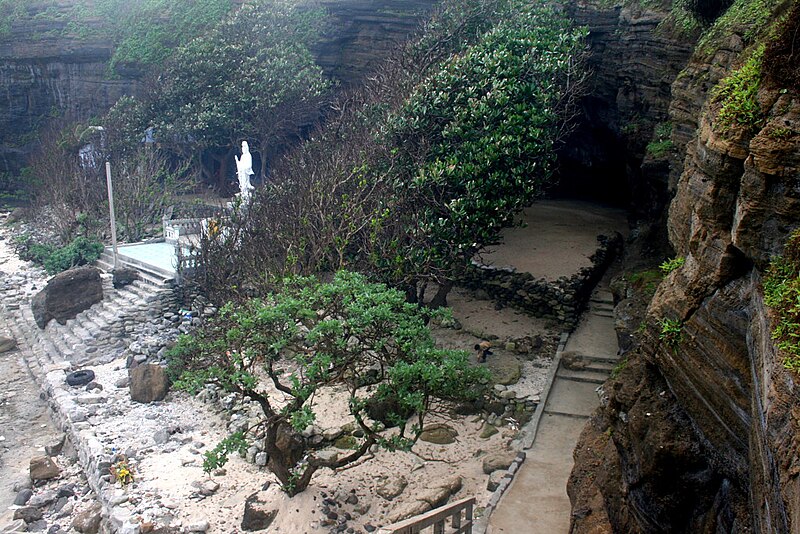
(283, 350)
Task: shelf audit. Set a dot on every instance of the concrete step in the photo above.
(591, 377)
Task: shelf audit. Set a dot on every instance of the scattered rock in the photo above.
(327, 455)
(573, 361)
(488, 431)
(55, 447)
(7, 344)
(206, 487)
(505, 371)
(198, 526)
(161, 436)
(29, 514)
(23, 497)
(426, 500)
(123, 276)
(257, 514)
(498, 460)
(88, 521)
(43, 468)
(18, 525)
(439, 434)
(148, 383)
(43, 498)
(494, 479)
(392, 487)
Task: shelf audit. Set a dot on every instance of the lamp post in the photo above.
(111, 211)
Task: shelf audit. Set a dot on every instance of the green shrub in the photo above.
(670, 265)
(661, 144)
(671, 332)
(737, 96)
(81, 251)
(782, 294)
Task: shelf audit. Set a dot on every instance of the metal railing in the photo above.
(437, 518)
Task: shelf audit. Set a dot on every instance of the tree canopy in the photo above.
(309, 336)
(251, 78)
(415, 173)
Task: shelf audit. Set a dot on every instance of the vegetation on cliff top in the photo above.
(782, 294)
(143, 32)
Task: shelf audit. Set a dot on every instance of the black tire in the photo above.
(80, 378)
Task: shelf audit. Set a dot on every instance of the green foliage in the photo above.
(249, 77)
(782, 294)
(476, 138)
(646, 280)
(312, 335)
(661, 144)
(737, 94)
(671, 333)
(670, 265)
(10, 12)
(218, 456)
(748, 18)
(619, 367)
(682, 19)
(81, 251)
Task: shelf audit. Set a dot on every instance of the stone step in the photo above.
(591, 377)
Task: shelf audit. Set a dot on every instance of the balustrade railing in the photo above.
(438, 519)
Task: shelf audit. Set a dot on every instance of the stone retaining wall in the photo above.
(562, 300)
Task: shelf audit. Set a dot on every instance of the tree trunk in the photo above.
(440, 298)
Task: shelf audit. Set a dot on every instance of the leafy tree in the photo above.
(415, 173)
(252, 77)
(477, 138)
(284, 350)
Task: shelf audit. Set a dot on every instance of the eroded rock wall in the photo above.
(706, 369)
(633, 60)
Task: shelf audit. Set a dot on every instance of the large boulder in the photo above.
(43, 468)
(148, 383)
(66, 295)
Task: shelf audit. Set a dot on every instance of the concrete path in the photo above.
(537, 502)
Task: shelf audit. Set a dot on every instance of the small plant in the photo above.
(737, 96)
(122, 471)
(81, 251)
(661, 144)
(671, 332)
(646, 280)
(780, 133)
(218, 456)
(670, 265)
(619, 367)
(782, 295)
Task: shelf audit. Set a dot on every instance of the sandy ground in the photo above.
(557, 239)
(25, 426)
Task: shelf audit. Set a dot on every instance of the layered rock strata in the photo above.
(705, 408)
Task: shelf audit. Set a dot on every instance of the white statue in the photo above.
(244, 169)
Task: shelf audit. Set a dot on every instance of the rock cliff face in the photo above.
(633, 60)
(704, 408)
(46, 71)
